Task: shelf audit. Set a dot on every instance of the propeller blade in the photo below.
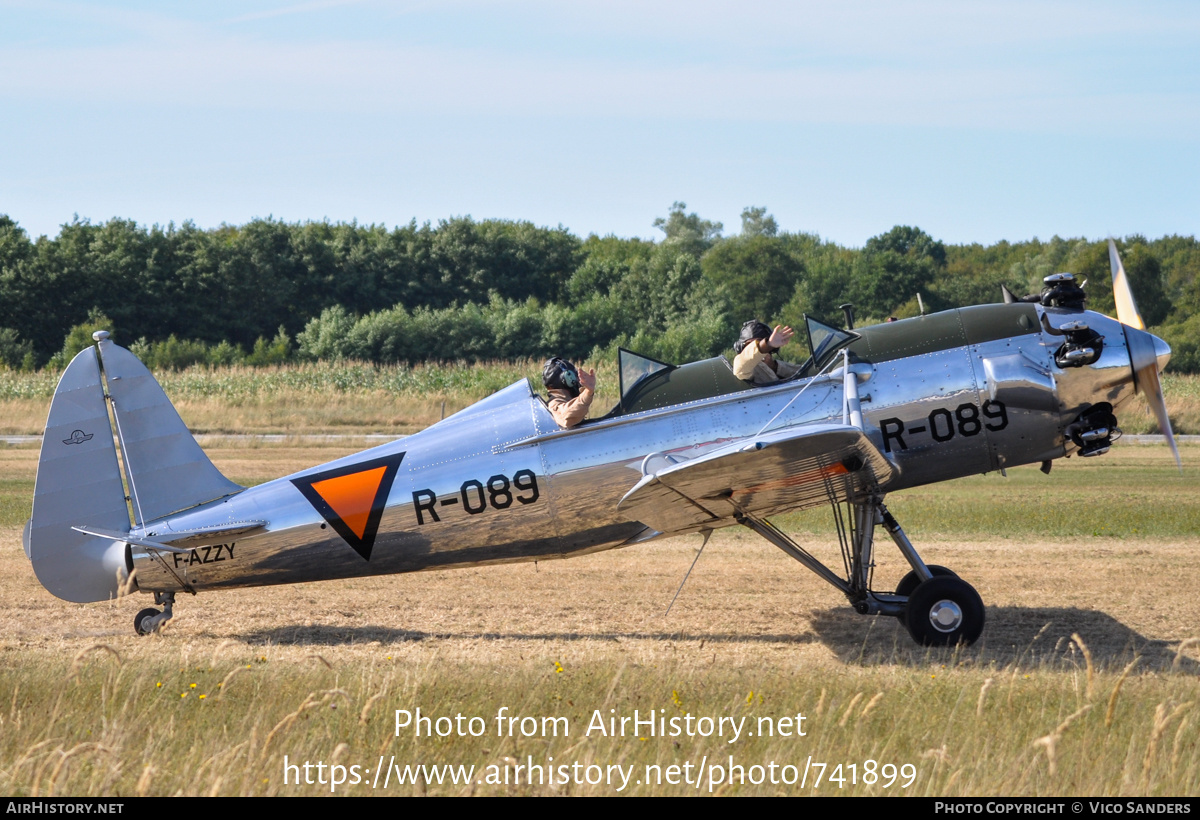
(1145, 350)
(1127, 312)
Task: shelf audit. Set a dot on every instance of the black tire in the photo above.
(960, 608)
(911, 581)
(149, 612)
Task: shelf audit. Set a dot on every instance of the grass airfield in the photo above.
(1086, 680)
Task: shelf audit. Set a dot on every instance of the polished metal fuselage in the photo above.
(500, 482)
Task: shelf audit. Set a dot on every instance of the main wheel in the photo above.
(911, 581)
(140, 618)
(944, 611)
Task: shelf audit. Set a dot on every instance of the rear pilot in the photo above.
(756, 347)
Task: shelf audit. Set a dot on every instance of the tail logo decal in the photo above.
(352, 498)
(77, 437)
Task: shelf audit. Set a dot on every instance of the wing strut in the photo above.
(707, 534)
(780, 539)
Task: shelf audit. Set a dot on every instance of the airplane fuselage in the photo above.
(943, 396)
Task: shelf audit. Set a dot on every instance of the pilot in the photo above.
(571, 391)
(756, 347)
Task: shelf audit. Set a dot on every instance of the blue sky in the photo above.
(976, 121)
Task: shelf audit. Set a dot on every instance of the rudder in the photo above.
(78, 483)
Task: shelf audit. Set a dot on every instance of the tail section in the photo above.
(79, 480)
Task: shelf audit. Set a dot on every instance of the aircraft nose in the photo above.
(1162, 352)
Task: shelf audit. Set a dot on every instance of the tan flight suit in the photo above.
(751, 365)
(568, 411)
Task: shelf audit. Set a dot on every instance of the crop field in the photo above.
(760, 680)
(349, 397)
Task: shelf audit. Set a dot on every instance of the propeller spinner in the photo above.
(1145, 349)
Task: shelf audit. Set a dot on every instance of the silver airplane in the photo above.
(126, 500)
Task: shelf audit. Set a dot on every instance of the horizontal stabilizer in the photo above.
(180, 541)
(128, 538)
(215, 534)
(776, 472)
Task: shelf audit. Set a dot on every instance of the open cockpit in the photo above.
(648, 384)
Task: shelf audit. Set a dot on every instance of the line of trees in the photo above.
(270, 291)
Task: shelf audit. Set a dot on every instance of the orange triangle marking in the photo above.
(352, 496)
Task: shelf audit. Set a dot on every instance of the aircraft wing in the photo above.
(782, 470)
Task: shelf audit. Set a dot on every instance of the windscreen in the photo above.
(824, 341)
(636, 368)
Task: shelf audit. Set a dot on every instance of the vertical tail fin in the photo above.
(79, 481)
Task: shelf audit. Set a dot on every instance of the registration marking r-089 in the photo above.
(942, 425)
(498, 492)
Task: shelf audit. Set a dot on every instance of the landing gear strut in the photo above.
(936, 606)
(151, 619)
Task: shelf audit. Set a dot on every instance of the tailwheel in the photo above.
(944, 611)
(151, 619)
(143, 622)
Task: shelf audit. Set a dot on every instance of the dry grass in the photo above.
(316, 671)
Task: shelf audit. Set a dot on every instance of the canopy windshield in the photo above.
(635, 369)
(824, 341)
(648, 384)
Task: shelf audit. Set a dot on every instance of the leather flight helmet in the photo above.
(752, 330)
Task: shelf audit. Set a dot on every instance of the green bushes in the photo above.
(1184, 338)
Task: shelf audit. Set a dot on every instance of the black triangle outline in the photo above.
(360, 545)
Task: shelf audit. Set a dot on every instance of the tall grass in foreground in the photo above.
(220, 722)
